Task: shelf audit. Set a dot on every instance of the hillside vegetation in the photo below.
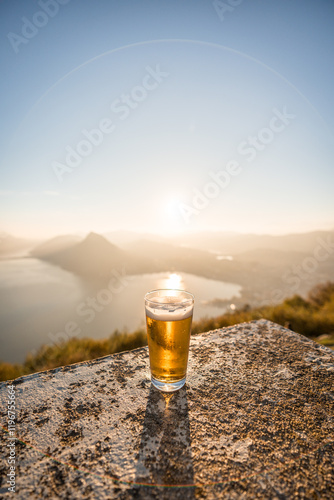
(313, 317)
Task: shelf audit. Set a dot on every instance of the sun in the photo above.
(172, 207)
(171, 217)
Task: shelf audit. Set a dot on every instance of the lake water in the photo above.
(39, 301)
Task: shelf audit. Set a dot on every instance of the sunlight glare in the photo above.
(171, 207)
(173, 281)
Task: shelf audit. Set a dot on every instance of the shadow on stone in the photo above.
(165, 456)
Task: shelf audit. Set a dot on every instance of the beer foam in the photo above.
(174, 310)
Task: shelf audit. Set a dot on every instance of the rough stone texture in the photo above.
(255, 420)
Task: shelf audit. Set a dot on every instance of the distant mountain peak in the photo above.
(96, 240)
(93, 257)
(94, 237)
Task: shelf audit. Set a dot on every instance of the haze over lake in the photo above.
(38, 299)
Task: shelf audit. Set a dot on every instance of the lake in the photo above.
(39, 301)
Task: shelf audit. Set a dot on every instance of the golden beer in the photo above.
(168, 343)
(168, 321)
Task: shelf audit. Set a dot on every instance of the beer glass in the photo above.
(168, 319)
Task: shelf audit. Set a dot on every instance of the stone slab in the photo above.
(255, 420)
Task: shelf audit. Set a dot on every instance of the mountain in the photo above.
(236, 243)
(10, 246)
(93, 258)
(262, 272)
(54, 245)
(159, 257)
(124, 238)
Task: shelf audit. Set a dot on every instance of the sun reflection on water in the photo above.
(173, 281)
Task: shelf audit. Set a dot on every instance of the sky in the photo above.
(166, 116)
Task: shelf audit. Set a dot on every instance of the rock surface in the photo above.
(255, 420)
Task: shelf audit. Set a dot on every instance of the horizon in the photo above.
(165, 236)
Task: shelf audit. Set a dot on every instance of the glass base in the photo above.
(168, 386)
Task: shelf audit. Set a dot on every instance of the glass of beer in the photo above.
(168, 319)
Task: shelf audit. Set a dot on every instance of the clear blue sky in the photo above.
(184, 93)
